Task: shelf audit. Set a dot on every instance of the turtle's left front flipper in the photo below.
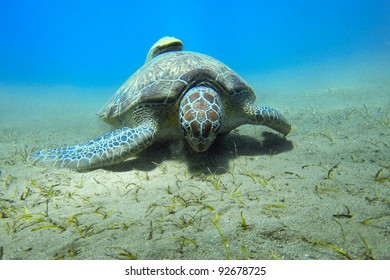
(268, 117)
(110, 148)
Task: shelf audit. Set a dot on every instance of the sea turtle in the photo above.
(175, 94)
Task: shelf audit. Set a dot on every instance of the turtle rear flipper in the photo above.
(110, 148)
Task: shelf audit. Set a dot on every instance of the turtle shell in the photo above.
(166, 77)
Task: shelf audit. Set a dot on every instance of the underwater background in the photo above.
(100, 44)
(322, 193)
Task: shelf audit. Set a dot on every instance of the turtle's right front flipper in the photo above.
(110, 148)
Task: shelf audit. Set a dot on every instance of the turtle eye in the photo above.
(185, 127)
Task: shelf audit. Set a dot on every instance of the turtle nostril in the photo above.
(196, 129)
(206, 129)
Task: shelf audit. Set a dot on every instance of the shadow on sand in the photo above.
(215, 160)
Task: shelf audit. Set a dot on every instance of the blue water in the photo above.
(324, 64)
(100, 43)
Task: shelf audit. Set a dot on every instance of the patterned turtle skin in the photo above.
(176, 94)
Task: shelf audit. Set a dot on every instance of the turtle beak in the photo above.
(201, 147)
(200, 117)
(201, 140)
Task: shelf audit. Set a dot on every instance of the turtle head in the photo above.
(200, 117)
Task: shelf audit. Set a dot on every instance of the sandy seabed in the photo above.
(322, 193)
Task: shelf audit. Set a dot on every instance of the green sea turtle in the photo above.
(175, 94)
